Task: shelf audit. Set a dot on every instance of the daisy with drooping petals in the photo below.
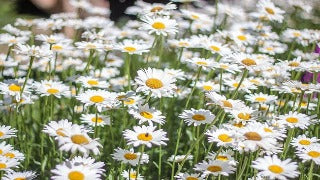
(78, 140)
(215, 167)
(98, 98)
(7, 132)
(75, 170)
(146, 114)
(129, 156)
(155, 81)
(275, 168)
(12, 175)
(92, 120)
(57, 128)
(145, 135)
(160, 25)
(310, 153)
(197, 117)
(223, 102)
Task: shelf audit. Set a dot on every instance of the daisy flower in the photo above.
(295, 120)
(245, 114)
(7, 132)
(13, 154)
(48, 88)
(12, 175)
(133, 46)
(310, 153)
(223, 102)
(302, 141)
(261, 98)
(201, 62)
(246, 85)
(159, 25)
(241, 38)
(89, 45)
(7, 163)
(131, 175)
(57, 128)
(129, 156)
(223, 137)
(197, 117)
(179, 158)
(187, 176)
(253, 136)
(273, 168)
(78, 140)
(269, 11)
(207, 86)
(145, 135)
(75, 170)
(98, 98)
(229, 67)
(33, 51)
(91, 119)
(217, 48)
(146, 114)
(13, 89)
(156, 82)
(215, 167)
(90, 82)
(225, 156)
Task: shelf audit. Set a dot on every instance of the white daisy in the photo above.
(12, 175)
(145, 135)
(92, 120)
(7, 132)
(146, 114)
(129, 156)
(160, 25)
(215, 167)
(197, 117)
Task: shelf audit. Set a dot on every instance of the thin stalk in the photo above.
(139, 162)
(310, 174)
(86, 69)
(128, 59)
(244, 75)
(28, 75)
(194, 87)
(9, 52)
(286, 145)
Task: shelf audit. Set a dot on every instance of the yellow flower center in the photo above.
(130, 156)
(202, 63)
(224, 138)
(146, 114)
(292, 120)
(237, 84)
(76, 175)
(304, 142)
(191, 178)
(244, 116)
(294, 64)
(97, 120)
(156, 9)
(275, 169)
(10, 155)
(222, 158)
(249, 62)
(194, 16)
(242, 37)
(3, 166)
(14, 87)
(207, 88)
(214, 168)
(267, 130)
(20, 178)
(198, 117)
(1, 134)
(93, 82)
(56, 47)
(269, 10)
(215, 48)
(145, 137)
(314, 154)
(133, 175)
(79, 139)
(261, 99)
(253, 136)
(129, 101)
(60, 132)
(91, 46)
(239, 125)
(223, 66)
(269, 48)
(226, 104)
(183, 44)
(52, 91)
(296, 34)
(154, 83)
(130, 49)
(158, 25)
(97, 99)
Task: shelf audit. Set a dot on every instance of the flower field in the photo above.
(190, 90)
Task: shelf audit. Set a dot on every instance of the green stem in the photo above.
(28, 74)
(139, 162)
(244, 75)
(194, 87)
(128, 59)
(9, 52)
(86, 69)
(310, 174)
(286, 145)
